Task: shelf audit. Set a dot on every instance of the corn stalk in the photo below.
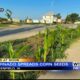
(13, 54)
(46, 44)
(39, 50)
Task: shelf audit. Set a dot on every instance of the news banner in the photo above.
(17, 65)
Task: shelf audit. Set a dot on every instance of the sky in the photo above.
(35, 9)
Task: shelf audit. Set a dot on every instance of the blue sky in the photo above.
(36, 8)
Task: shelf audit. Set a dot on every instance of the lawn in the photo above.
(12, 24)
(4, 25)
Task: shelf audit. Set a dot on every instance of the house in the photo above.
(42, 21)
(50, 18)
(28, 21)
(15, 20)
(36, 21)
(59, 21)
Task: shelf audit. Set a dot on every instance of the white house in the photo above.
(42, 21)
(49, 18)
(14, 20)
(59, 20)
(36, 21)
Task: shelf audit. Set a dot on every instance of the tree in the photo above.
(9, 14)
(21, 21)
(72, 17)
(58, 16)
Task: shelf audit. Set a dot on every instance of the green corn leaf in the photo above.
(10, 49)
(19, 51)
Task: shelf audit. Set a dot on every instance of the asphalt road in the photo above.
(12, 33)
(25, 28)
(23, 31)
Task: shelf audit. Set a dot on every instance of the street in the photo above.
(19, 32)
(24, 31)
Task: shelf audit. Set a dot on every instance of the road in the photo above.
(24, 31)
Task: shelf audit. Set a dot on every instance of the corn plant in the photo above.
(13, 54)
(59, 43)
(39, 53)
(46, 44)
(53, 41)
(39, 50)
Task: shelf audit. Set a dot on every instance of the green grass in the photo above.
(4, 25)
(8, 24)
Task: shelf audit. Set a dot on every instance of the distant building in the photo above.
(59, 21)
(50, 18)
(3, 20)
(36, 21)
(14, 20)
(28, 21)
(42, 21)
